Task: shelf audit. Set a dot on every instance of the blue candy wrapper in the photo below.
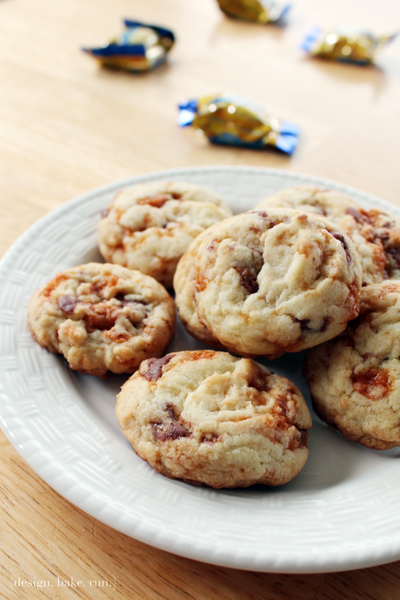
(256, 11)
(140, 47)
(345, 45)
(235, 121)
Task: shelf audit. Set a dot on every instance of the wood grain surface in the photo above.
(67, 126)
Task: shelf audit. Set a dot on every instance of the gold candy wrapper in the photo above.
(256, 11)
(344, 45)
(235, 121)
(140, 48)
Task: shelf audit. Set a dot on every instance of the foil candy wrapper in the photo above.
(235, 121)
(140, 47)
(256, 11)
(345, 45)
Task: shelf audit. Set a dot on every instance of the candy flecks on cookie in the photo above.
(213, 419)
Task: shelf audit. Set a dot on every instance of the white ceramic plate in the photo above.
(340, 513)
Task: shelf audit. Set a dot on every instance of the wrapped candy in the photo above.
(140, 48)
(345, 45)
(235, 121)
(258, 11)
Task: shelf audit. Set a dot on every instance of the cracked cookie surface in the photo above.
(268, 282)
(312, 199)
(102, 317)
(209, 418)
(150, 226)
(354, 379)
(376, 236)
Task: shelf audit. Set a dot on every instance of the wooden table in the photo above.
(67, 126)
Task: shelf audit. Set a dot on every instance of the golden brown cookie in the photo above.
(102, 317)
(268, 282)
(210, 418)
(150, 226)
(354, 379)
(312, 199)
(376, 236)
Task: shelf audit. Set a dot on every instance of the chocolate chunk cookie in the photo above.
(209, 418)
(150, 226)
(102, 317)
(311, 199)
(355, 379)
(269, 282)
(376, 236)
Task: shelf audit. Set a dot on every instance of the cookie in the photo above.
(212, 419)
(268, 282)
(150, 226)
(311, 199)
(376, 236)
(354, 379)
(102, 317)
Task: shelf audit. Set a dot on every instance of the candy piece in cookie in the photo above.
(354, 379)
(102, 317)
(209, 418)
(150, 226)
(311, 199)
(376, 236)
(268, 282)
